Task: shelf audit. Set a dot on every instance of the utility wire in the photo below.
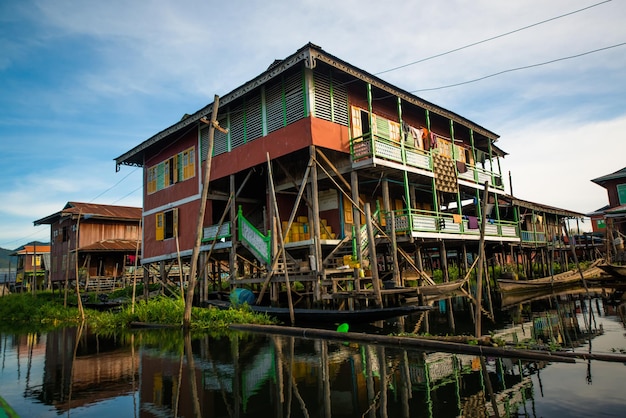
(521, 68)
(115, 185)
(490, 39)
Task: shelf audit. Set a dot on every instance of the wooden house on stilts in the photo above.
(324, 175)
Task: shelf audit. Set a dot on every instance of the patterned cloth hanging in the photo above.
(445, 174)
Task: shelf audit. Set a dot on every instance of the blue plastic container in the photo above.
(241, 296)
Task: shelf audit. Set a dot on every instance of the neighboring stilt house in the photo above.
(332, 157)
(33, 265)
(99, 243)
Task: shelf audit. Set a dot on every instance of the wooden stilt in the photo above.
(372, 249)
(481, 256)
(281, 241)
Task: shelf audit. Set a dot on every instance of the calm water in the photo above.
(161, 373)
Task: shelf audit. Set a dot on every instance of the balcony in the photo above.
(425, 223)
(383, 150)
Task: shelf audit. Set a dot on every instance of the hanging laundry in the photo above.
(472, 222)
(457, 219)
(417, 137)
(433, 140)
(461, 167)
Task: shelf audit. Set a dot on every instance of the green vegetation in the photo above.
(45, 311)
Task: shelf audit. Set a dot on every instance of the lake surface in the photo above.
(162, 373)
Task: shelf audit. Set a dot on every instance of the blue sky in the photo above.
(81, 82)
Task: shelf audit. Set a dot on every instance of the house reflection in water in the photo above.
(287, 376)
(104, 368)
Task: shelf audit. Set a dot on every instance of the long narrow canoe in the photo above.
(568, 278)
(615, 270)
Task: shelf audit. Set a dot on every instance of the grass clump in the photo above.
(45, 311)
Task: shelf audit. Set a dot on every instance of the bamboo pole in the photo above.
(289, 224)
(132, 309)
(280, 237)
(205, 192)
(371, 241)
(80, 302)
(406, 342)
(481, 256)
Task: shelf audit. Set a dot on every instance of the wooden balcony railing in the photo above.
(368, 146)
(427, 221)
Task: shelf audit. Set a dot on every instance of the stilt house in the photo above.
(362, 184)
(97, 242)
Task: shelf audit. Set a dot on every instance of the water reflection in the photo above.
(163, 373)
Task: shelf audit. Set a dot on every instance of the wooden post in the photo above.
(232, 256)
(280, 237)
(371, 240)
(481, 256)
(356, 223)
(394, 244)
(315, 209)
(205, 192)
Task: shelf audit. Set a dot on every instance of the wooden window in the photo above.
(152, 179)
(188, 164)
(159, 227)
(36, 261)
(357, 122)
(180, 167)
(166, 224)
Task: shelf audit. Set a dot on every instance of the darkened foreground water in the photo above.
(162, 373)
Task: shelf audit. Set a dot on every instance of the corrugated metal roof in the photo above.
(308, 53)
(545, 208)
(619, 174)
(121, 245)
(30, 249)
(94, 210)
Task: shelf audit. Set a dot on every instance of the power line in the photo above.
(521, 68)
(115, 185)
(22, 239)
(128, 194)
(490, 39)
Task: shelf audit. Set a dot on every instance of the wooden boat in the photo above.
(615, 270)
(516, 298)
(303, 315)
(440, 288)
(568, 278)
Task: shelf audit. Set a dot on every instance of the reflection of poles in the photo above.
(429, 400)
(180, 381)
(31, 344)
(370, 381)
(192, 375)
(487, 380)
(292, 384)
(79, 334)
(325, 378)
(234, 351)
(383, 381)
(406, 390)
(132, 363)
(280, 381)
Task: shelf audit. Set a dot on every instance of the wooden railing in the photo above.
(370, 146)
(428, 221)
